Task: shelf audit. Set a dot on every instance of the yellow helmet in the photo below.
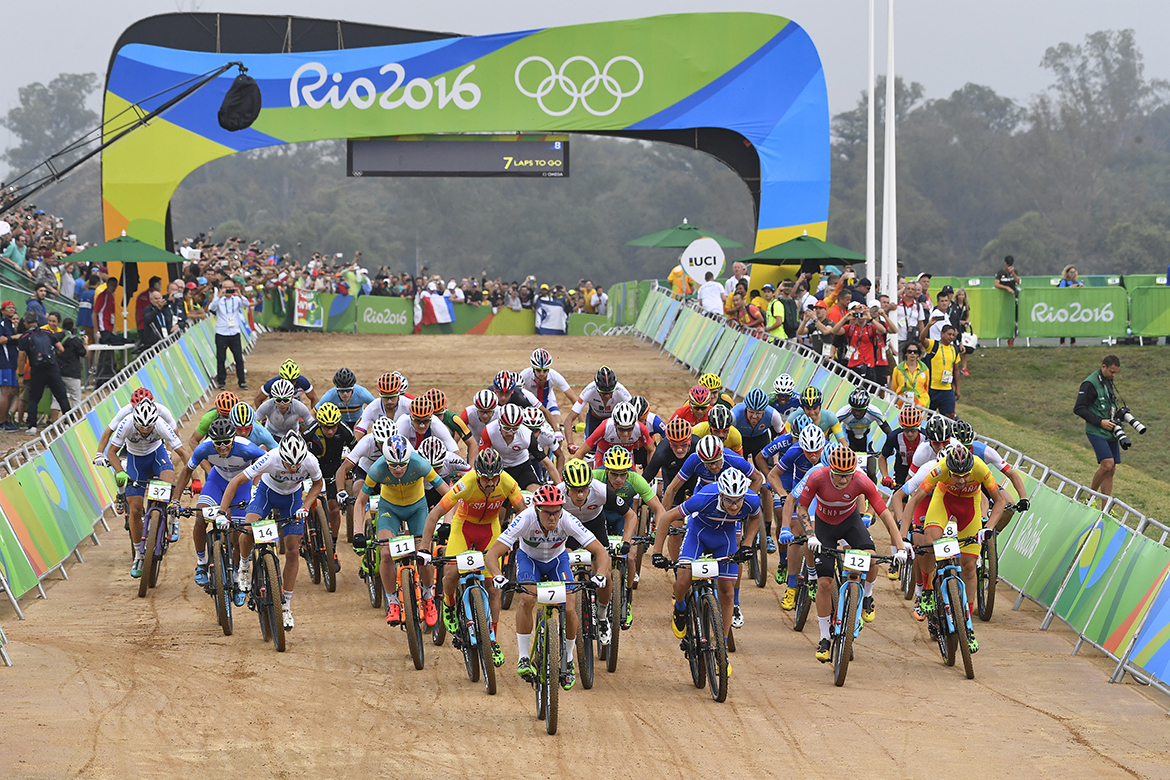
(290, 370)
(328, 414)
(712, 382)
(618, 459)
(578, 474)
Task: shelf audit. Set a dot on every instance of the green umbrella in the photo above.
(130, 252)
(681, 236)
(803, 248)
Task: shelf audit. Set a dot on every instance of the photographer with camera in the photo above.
(1104, 415)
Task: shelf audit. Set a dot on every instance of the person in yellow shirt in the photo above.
(909, 379)
(680, 282)
(941, 357)
(719, 423)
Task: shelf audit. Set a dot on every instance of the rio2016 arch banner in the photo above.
(756, 74)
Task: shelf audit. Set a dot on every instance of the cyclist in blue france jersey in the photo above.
(810, 407)
(227, 455)
(757, 422)
(784, 476)
(281, 473)
(714, 516)
(350, 397)
(784, 398)
(291, 371)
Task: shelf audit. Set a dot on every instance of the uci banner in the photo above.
(1061, 312)
(754, 74)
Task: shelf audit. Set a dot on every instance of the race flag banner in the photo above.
(431, 308)
(309, 313)
(1059, 312)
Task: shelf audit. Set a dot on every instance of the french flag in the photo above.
(433, 309)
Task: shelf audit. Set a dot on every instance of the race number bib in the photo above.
(158, 491)
(856, 560)
(615, 542)
(550, 593)
(951, 531)
(580, 558)
(909, 397)
(704, 569)
(401, 546)
(827, 350)
(472, 560)
(265, 531)
(946, 548)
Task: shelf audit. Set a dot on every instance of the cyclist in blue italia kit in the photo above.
(350, 397)
(281, 473)
(714, 516)
(227, 455)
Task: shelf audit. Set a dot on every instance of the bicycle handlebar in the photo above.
(569, 586)
(963, 541)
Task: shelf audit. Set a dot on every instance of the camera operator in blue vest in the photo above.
(1105, 415)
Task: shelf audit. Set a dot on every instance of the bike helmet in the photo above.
(938, 429)
(402, 380)
(344, 379)
(710, 449)
(223, 402)
(541, 360)
(699, 397)
(962, 430)
(434, 451)
(242, 415)
(145, 416)
(578, 474)
(382, 429)
(290, 370)
(421, 409)
(396, 451)
(618, 459)
(811, 397)
(784, 385)
(141, 394)
(624, 415)
(712, 382)
(511, 416)
(293, 449)
(960, 460)
(438, 400)
(548, 495)
(678, 430)
(910, 417)
(732, 483)
(485, 400)
(842, 460)
(756, 400)
(641, 406)
(719, 418)
(328, 414)
(488, 463)
(859, 399)
(532, 418)
(812, 439)
(504, 382)
(281, 390)
(605, 380)
(389, 386)
(221, 429)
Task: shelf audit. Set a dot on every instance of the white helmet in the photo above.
(405, 382)
(784, 385)
(732, 483)
(293, 449)
(624, 415)
(812, 439)
(145, 415)
(486, 400)
(532, 417)
(382, 429)
(709, 449)
(433, 450)
(282, 389)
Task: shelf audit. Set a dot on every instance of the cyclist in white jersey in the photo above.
(392, 402)
(597, 401)
(543, 381)
(485, 409)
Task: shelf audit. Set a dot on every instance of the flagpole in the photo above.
(870, 167)
(890, 201)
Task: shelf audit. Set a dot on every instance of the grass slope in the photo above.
(1024, 398)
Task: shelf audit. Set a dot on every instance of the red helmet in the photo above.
(699, 396)
(140, 394)
(548, 495)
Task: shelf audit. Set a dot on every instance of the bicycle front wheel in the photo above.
(693, 645)
(843, 642)
(439, 630)
(326, 552)
(988, 574)
(803, 600)
(410, 616)
(906, 579)
(552, 677)
(714, 646)
(273, 600)
(585, 611)
(759, 562)
(309, 549)
(959, 611)
(152, 523)
(617, 610)
(483, 639)
(223, 589)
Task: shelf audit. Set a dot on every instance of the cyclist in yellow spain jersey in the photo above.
(478, 499)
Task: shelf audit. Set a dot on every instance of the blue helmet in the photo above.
(756, 399)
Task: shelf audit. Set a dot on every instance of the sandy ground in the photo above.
(108, 685)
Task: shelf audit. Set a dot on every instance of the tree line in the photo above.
(1078, 174)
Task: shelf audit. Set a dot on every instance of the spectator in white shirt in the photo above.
(711, 294)
(738, 271)
(227, 309)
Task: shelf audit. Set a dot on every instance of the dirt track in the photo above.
(107, 685)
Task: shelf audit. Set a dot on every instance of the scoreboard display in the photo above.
(525, 155)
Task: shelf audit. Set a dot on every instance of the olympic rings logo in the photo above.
(600, 78)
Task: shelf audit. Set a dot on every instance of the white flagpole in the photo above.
(870, 178)
(890, 202)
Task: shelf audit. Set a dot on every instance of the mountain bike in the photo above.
(474, 637)
(548, 644)
(438, 559)
(401, 549)
(987, 566)
(581, 563)
(156, 537)
(266, 596)
(371, 558)
(949, 623)
(847, 622)
(221, 579)
(317, 546)
(705, 643)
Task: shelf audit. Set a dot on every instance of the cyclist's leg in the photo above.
(334, 507)
(138, 468)
(723, 542)
(388, 526)
(599, 527)
(933, 524)
(414, 517)
(526, 572)
(291, 532)
(969, 521)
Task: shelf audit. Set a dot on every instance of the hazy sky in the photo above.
(997, 43)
